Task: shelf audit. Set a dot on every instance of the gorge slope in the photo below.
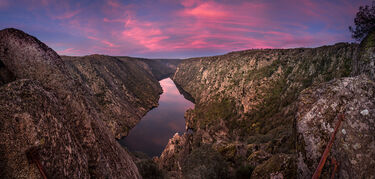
(69, 110)
(248, 107)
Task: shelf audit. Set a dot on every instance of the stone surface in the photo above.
(170, 160)
(354, 146)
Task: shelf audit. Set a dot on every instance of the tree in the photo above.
(364, 22)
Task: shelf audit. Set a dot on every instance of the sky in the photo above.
(179, 28)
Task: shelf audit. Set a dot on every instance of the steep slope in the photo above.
(246, 103)
(44, 108)
(123, 90)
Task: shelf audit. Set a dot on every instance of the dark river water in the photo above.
(152, 133)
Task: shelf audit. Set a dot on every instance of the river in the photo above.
(152, 133)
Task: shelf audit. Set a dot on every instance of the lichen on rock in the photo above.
(354, 147)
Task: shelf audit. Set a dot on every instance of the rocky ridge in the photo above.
(66, 110)
(248, 107)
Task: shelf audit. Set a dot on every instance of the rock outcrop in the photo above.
(65, 110)
(247, 103)
(354, 146)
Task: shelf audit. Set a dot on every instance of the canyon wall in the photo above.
(64, 113)
(123, 91)
(249, 109)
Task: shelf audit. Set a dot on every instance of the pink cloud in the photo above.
(109, 44)
(207, 10)
(66, 15)
(174, 126)
(4, 4)
(114, 20)
(116, 28)
(114, 3)
(70, 51)
(189, 3)
(146, 34)
(159, 141)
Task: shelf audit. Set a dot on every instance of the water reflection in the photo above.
(152, 133)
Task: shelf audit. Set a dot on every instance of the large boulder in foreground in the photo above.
(354, 146)
(52, 113)
(31, 117)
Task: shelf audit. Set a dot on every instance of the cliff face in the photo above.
(247, 102)
(61, 110)
(123, 90)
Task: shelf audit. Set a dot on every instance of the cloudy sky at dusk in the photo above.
(179, 28)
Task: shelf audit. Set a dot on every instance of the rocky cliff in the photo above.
(123, 90)
(248, 109)
(65, 114)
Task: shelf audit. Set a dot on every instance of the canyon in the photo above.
(262, 113)
(269, 113)
(70, 109)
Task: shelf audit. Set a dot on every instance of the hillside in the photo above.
(250, 106)
(123, 91)
(68, 111)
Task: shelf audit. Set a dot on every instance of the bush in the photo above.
(244, 171)
(205, 162)
(364, 22)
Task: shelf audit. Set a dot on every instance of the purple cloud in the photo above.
(185, 28)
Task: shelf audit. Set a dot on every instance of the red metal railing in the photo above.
(319, 169)
(32, 156)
